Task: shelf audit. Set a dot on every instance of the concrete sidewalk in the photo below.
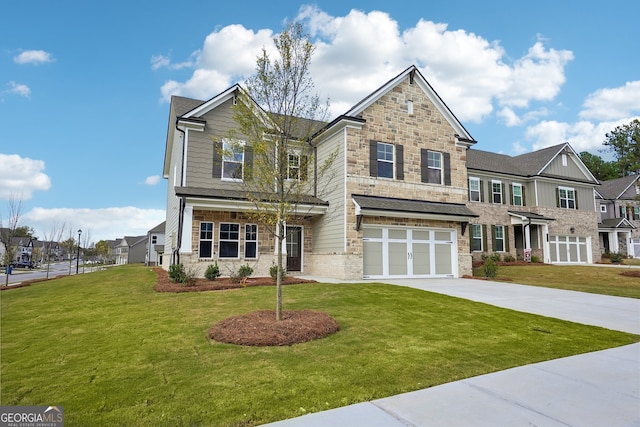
(594, 389)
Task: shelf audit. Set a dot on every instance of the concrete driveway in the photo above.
(594, 389)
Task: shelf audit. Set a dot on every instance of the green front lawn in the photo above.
(114, 352)
(593, 279)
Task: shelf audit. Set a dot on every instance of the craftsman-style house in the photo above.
(619, 206)
(540, 204)
(396, 203)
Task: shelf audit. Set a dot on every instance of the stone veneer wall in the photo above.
(266, 244)
(585, 224)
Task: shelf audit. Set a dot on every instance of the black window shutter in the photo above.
(557, 197)
(506, 238)
(447, 168)
(217, 160)
(373, 158)
(484, 237)
(493, 238)
(524, 199)
(481, 190)
(399, 162)
(575, 194)
(248, 162)
(504, 195)
(511, 195)
(424, 165)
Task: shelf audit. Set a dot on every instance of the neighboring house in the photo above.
(130, 250)
(619, 207)
(24, 248)
(396, 205)
(540, 204)
(155, 245)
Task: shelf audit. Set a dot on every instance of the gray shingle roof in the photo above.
(614, 188)
(183, 105)
(529, 164)
(413, 206)
(615, 223)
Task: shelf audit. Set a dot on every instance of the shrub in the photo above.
(616, 257)
(535, 258)
(273, 272)
(509, 258)
(245, 271)
(212, 272)
(177, 273)
(490, 268)
(495, 257)
(189, 278)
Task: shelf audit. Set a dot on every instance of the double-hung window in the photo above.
(250, 241)
(496, 192)
(229, 240)
(205, 248)
(385, 160)
(518, 200)
(434, 167)
(474, 189)
(476, 237)
(567, 197)
(297, 167)
(232, 160)
(499, 238)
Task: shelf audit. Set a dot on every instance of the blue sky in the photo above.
(84, 86)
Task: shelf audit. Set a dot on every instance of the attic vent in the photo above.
(235, 100)
(564, 160)
(410, 107)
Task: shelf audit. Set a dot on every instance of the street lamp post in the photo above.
(78, 256)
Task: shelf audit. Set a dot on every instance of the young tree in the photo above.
(8, 230)
(277, 115)
(102, 249)
(51, 237)
(70, 245)
(624, 141)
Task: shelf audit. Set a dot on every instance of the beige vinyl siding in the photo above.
(547, 194)
(328, 230)
(570, 171)
(201, 146)
(173, 202)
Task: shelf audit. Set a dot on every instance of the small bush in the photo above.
(495, 257)
(189, 278)
(177, 273)
(212, 272)
(490, 268)
(509, 258)
(245, 271)
(535, 258)
(273, 272)
(616, 257)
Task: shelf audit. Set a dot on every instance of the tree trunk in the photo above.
(280, 240)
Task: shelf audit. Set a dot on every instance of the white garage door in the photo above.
(409, 252)
(569, 249)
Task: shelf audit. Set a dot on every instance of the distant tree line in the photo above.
(623, 142)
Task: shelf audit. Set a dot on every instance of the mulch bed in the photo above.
(631, 273)
(221, 283)
(261, 328)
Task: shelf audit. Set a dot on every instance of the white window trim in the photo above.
(229, 143)
(479, 190)
(200, 239)
(496, 228)
(479, 227)
(393, 160)
(513, 187)
(494, 193)
(440, 168)
(567, 190)
(603, 208)
(250, 241)
(220, 239)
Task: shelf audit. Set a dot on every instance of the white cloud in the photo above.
(582, 135)
(102, 224)
(357, 53)
(35, 57)
(18, 89)
(21, 176)
(614, 103)
(152, 180)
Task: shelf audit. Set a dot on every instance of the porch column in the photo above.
(545, 244)
(187, 230)
(613, 241)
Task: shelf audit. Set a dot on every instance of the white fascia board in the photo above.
(247, 206)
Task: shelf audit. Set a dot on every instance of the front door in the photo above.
(294, 248)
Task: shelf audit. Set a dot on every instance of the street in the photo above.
(55, 269)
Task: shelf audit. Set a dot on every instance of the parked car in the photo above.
(23, 264)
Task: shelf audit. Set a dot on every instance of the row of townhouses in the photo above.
(411, 197)
(148, 249)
